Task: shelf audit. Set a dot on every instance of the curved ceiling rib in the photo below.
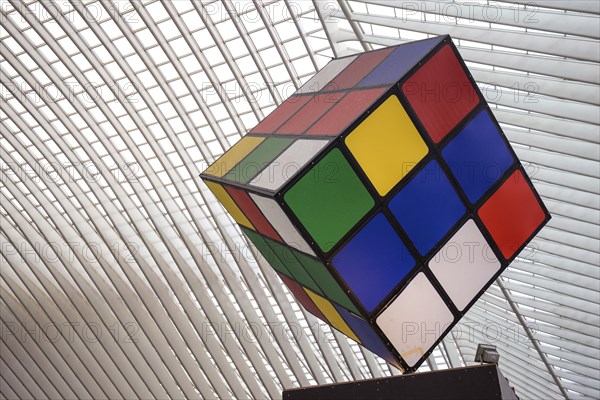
(122, 277)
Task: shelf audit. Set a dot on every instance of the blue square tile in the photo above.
(478, 156)
(427, 207)
(367, 336)
(397, 64)
(374, 262)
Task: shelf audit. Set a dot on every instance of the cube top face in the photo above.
(385, 195)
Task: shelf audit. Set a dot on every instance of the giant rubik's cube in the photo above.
(384, 194)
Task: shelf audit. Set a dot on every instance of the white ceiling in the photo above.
(121, 276)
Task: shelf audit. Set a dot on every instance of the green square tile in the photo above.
(260, 157)
(329, 200)
(296, 271)
(330, 287)
(263, 247)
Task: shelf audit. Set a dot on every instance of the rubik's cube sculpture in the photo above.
(385, 195)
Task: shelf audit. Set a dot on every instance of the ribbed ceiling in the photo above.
(122, 277)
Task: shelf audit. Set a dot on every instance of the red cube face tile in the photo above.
(311, 112)
(512, 214)
(345, 111)
(440, 93)
(359, 68)
(252, 212)
(281, 114)
(302, 297)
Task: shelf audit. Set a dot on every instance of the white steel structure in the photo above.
(122, 277)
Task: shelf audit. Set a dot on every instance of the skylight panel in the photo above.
(169, 29)
(176, 124)
(157, 11)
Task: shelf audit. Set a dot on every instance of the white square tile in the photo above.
(281, 223)
(415, 320)
(325, 75)
(288, 164)
(465, 264)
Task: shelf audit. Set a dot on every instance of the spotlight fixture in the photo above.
(486, 353)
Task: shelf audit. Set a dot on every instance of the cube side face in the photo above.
(464, 210)
(404, 204)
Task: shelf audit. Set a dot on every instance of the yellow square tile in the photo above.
(334, 317)
(387, 145)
